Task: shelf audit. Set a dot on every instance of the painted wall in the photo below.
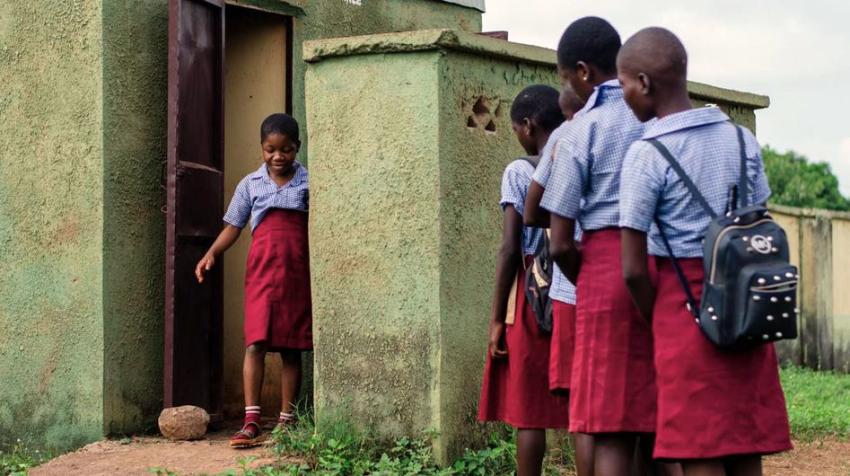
(51, 219)
(820, 247)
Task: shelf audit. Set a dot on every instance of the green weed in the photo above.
(18, 459)
(818, 403)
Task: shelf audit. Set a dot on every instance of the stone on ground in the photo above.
(183, 423)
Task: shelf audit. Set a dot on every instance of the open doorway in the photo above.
(257, 56)
(229, 67)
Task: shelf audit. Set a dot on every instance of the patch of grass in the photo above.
(19, 458)
(818, 403)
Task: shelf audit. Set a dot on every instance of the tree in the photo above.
(797, 182)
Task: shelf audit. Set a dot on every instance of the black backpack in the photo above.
(538, 281)
(749, 293)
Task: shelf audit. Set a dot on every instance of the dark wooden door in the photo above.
(193, 312)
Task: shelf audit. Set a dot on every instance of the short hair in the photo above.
(280, 124)
(539, 103)
(592, 40)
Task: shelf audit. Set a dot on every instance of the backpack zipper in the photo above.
(720, 236)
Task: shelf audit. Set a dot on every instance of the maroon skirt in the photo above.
(613, 382)
(711, 402)
(563, 343)
(516, 389)
(278, 308)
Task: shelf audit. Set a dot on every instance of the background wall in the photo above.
(820, 247)
(51, 222)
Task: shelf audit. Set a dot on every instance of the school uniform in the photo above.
(711, 402)
(612, 387)
(515, 390)
(562, 292)
(278, 308)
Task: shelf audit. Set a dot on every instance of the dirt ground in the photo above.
(212, 456)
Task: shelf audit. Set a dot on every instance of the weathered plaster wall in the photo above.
(374, 241)
(135, 37)
(820, 247)
(472, 160)
(51, 218)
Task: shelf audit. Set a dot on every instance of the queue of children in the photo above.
(623, 367)
(646, 391)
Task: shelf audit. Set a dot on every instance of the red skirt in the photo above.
(516, 389)
(613, 381)
(278, 309)
(711, 402)
(563, 343)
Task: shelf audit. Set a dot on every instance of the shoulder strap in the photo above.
(682, 175)
(743, 182)
(683, 281)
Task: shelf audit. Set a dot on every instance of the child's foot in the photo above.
(247, 437)
(286, 420)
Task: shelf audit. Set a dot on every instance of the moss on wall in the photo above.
(135, 40)
(51, 318)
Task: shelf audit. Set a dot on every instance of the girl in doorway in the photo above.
(278, 315)
(516, 378)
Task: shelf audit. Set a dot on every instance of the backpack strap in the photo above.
(683, 281)
(743, 182)
(682, 175)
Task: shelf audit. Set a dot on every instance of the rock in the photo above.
(183, 423)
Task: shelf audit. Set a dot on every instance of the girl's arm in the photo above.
(508, 261)
(534, 214)
(636, 271)
(563, 246)
(225, 240)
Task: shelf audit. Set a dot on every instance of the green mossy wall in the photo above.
(51, 219)
(135, 42)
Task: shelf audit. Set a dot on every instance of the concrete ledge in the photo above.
(474, 4)
(809, 212)
(425, 40)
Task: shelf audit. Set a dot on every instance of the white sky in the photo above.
(795, 51)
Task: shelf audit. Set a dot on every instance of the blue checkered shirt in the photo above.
(588, 159)
(706, 145)
(257, 193)
(515, 182)
(562, 289)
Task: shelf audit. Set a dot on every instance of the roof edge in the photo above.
(474, 4)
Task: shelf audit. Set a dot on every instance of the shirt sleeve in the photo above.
(567, 180)
(514, 186)
(640, 186)
(755, 171)
(239, 210)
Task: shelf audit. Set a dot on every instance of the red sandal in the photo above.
(248, 436)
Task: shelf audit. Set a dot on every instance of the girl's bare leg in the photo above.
(252, 373)
(290, 379)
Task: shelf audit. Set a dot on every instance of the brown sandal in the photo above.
(247, 436)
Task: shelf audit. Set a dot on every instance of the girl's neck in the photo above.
(281, 179)
(675, 103)
(542, 139)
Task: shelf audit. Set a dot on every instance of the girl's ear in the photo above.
(528, 124)
(645, 84)
(584, 71)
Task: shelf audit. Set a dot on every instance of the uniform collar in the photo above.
(601, 93)
(685, 120)
(297, 177)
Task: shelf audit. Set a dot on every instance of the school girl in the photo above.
(562, 291)
(718, 410)
(515, 389)
(278, 315)
(612, 389)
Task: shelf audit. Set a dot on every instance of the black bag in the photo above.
(749, 293)
(538, 281)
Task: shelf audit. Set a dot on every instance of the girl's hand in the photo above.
(206, 264)
(497, 347)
